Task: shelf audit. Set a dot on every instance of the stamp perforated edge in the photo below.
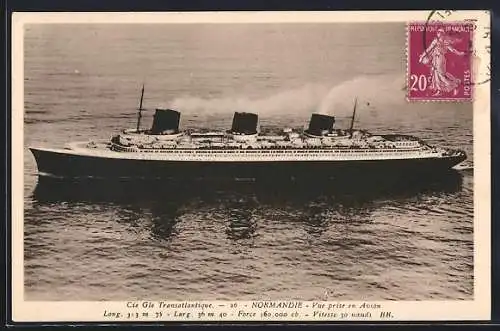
(407, 54)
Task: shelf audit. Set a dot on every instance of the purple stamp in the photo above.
(439, 61)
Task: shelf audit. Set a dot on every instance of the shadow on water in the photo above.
(238, 202)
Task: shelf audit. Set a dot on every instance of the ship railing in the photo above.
(217, 149)
(304, 154)
(120, 148)
(453, 152)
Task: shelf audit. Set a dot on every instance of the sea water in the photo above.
(241, 241)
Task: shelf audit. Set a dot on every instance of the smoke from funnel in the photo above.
(378, 92)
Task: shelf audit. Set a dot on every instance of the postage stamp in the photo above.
(439, 61)
(221, 167)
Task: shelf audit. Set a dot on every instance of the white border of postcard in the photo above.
(53, 311)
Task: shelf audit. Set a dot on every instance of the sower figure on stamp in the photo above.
(434, 56)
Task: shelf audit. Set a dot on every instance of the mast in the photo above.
(139, 114)
(353, 116)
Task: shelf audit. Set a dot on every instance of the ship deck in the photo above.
(105, 149)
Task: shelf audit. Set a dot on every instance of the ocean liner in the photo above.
(320, 151)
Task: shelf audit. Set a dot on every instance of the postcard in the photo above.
(251, 166)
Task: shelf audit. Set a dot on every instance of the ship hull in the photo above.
(62, 164)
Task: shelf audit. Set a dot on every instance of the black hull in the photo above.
(62, 164)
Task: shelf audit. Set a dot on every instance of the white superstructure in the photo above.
(290, 146)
